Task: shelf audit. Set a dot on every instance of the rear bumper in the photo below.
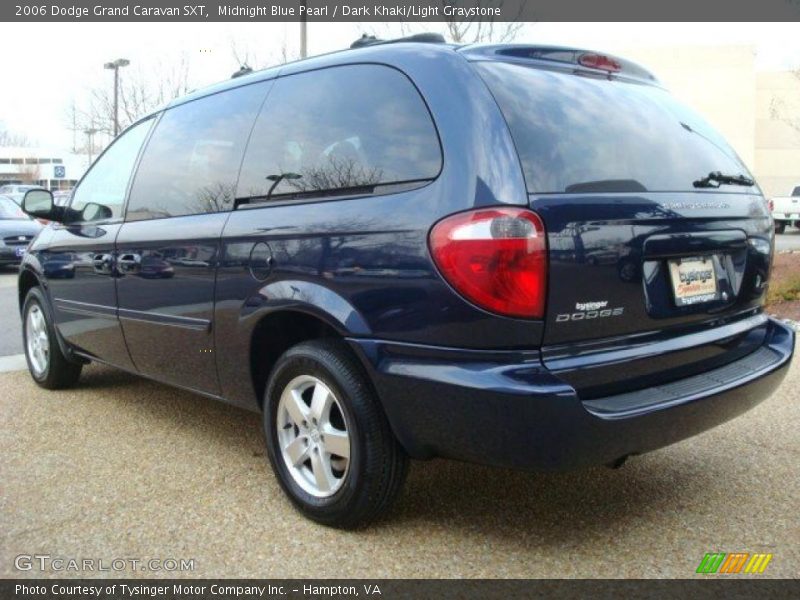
(507, 409)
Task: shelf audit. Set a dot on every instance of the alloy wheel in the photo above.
(313, 436)
(37, 341)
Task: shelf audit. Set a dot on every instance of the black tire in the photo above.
(60, 372)
(780, 226)
(377, 463)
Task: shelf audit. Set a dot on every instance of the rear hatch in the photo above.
(652, 263)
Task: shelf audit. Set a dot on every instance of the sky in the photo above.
(47, 66)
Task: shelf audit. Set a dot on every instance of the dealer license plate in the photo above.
(694, 280)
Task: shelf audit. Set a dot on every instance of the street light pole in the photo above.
(115, 66)
(116, 102)
(90, 145)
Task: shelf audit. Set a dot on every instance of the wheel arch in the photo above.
(276, 332)
(27, 280)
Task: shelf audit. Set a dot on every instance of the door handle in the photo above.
(129, 262)
(102, 263)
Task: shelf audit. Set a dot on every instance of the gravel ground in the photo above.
(121, 467)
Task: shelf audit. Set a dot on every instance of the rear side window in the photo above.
(796, 191)
(581, 134)
(192, 160)
(342, 130)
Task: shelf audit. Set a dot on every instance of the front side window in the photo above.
(349, 129)
(191, 163)
(107, 180)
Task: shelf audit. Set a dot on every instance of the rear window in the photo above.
(582, 134)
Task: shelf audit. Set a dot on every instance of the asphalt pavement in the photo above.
(790, 240)
(10, 328)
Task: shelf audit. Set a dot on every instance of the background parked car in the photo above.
(61, 197)
(786, 210)
(16, 192)
(16, 231)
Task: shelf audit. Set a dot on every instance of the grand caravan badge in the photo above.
(590, 310)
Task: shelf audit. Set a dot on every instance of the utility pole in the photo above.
(303, 30)
(90, 141)
(115, 66)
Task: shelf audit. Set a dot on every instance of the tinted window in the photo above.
(581, 134)
(192, 160)
(353, 128)
(107, 180)
(796, 191)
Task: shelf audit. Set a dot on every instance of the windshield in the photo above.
(10, 210)
(583, 134)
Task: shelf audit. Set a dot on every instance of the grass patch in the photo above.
(786, 290)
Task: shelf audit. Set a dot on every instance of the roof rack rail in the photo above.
(422, 38)
(245, 69)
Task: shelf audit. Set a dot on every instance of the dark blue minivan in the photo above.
(515, 255)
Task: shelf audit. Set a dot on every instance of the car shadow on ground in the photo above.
(516, 506)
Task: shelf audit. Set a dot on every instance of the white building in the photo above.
(758, 112)
(52, 169)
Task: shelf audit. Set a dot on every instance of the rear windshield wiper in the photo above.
(716, 179)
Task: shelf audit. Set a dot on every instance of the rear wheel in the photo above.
(780, 226)
(328, 439)
(47, 364)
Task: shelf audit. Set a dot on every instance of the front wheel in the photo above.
(780, 226)
(328, 439)
(47, 364)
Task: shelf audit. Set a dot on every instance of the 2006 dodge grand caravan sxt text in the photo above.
(523, 256)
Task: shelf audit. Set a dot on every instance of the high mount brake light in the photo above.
(599, 61)
(496, 258)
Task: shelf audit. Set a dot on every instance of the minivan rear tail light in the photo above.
(496, 258)
(599, 61)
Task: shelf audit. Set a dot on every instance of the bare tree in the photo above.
(244, 56)
(141, 91)
(469, 31)
(11, 138)
(28, 173)
(787, 112)
(481, 29)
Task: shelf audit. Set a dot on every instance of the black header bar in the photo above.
(399, 10)
(731, 588)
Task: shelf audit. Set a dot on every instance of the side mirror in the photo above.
(92, 211)
(40, 204)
